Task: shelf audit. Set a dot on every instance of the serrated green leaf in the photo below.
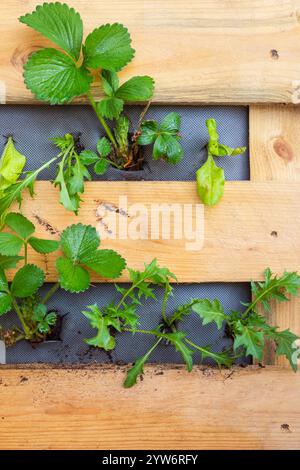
(177, 339)
(136, 89)
(171, 123)
(53, 77)
(286, 345)
(79, 241)
(10, 245)
(108, 47)
(216, 149)
(27, 281)
(59, 23)
(20, 224)
(274, 287)
(110, 107)
(210, 311)
(87, 157)
(167, 147)
(121, 131)
(64, 196)
(5, 303)
(104, 147)
(43, 246)
(138, 367)
(249, 338)
(8, 262)
(51, 318)
(210, 182)
(101, 166)
(149, 130)
(174, 151)
(5, 298)
(3, 282)
(107, 263)
(72, 277)
(221, 359)
(11, 165)
(160, 147)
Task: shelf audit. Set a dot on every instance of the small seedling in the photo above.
(247, 329)
(210, 178)
(79, 244)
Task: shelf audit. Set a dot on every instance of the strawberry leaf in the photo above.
(10, 245)
(108, 47)
(136, 89)
(59, 23)
(107, 263)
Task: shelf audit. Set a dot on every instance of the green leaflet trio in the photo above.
(56, 76)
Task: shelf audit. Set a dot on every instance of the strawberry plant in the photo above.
(79, 246)
(57, 76)
(210, 178)
(247, 328)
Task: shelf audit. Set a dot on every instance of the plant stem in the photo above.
(50, 293)
(20, 315)
(102, 120)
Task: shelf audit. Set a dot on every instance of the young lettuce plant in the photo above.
(210, 178)
(247, 329)
(58, 76)
(79, 244)
(165, 139)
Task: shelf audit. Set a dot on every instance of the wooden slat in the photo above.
(249, 231)
(213, 51)
(275, 156)
(206, 409)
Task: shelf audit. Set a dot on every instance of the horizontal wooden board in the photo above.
(247, 232)
(249, 408)
(213, 51)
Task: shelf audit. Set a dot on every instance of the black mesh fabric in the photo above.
(32, 127)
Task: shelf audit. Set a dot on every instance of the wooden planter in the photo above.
(213, 52)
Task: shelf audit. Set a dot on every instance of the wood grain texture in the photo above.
(275, 137)
(249, 231)
(251, 408)
(212, 51)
